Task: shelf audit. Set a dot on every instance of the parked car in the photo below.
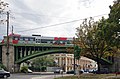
(72, 72)
(59, 71)
(102, 71)
(30, 71)
(4, 74)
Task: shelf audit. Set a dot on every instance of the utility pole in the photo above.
(12, 29)
(7, 53)
(3, 5)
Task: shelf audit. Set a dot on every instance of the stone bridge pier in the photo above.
(115, 67)
(9, 61)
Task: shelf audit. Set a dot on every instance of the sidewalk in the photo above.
(51, 76)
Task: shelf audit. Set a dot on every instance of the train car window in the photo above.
(54, 42)
(61, 42)
(48, 42)
(21, 39)
(65, 42)
(26, 39)
(69, 41)
(32, 39)
(37, 41)
(43, 41)
(13, 38)
(16, 38)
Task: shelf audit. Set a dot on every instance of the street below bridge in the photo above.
(22, 76)
(35, 76)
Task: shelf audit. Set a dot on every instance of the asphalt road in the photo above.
(23, 76)
(34, 76)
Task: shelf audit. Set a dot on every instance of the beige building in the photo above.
(66, 61)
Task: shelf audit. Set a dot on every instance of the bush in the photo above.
(24, 69)
(2, 67)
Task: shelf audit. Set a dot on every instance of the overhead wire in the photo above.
(53, 24)
(59, 23)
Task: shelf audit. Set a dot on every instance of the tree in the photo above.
(3, 5)
(114, 22)
(92, 40)
(114, 30)
(42, 62)
(77, 51)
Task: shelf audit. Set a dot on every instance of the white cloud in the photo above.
(40, 13)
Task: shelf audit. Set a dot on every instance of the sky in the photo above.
(56, 18)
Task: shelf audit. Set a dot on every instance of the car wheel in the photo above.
(5, 76)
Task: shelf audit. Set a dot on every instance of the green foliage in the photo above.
(24, 69)
(42, 62)
(114, 24)
(2, 67)
(98, 38)
(94, 40)
(77, 51)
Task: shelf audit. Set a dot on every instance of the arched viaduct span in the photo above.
(40, 53)
(19, 53)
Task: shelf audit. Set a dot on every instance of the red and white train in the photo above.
(38, 39)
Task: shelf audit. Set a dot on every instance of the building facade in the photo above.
(66, 62)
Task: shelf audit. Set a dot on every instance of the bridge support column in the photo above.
(10, 59)
(116, 65)
(17, 68)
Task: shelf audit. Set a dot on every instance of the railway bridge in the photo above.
(19, 53)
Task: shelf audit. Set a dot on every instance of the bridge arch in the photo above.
(40, 53)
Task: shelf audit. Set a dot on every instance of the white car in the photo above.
(60, 71)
